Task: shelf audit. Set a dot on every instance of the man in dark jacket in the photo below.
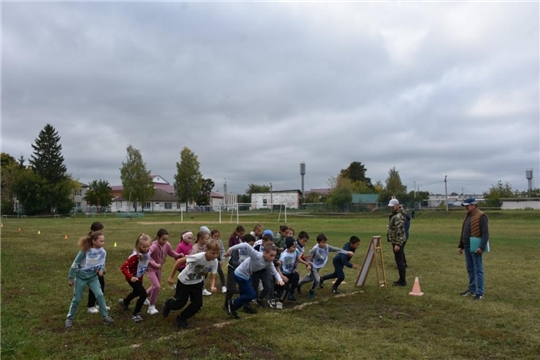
(473, 242)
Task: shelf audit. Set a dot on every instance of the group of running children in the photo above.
(260, 266)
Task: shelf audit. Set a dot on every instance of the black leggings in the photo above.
(138, 291)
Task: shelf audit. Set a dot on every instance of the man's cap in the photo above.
(469, 201)
(393, 202)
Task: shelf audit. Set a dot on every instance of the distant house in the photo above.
(78, 198)
(164, 198)
(290, 198)
(367, 201)
(520, 203)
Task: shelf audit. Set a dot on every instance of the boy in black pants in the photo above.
(341, 260)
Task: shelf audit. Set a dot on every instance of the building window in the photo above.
(178, 206)
(146, 205)
(78, 193)
(78, 205)
(168, 206)
(265, 202)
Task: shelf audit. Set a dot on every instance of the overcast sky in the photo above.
(254, 89)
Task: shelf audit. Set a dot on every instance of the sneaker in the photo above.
(123, 305)
(249, 309)
(147, 302)
(223, 289)
(311, 295)
(466, 293)
(260, 288)
(181, 323)
(106, 307)
(279, 305)
(231, 310)
(321, 284)
(206, 292)
(68, 323)
(479, 297)
(93, 310)
(335, 291)
(166, 309)
(152, 310)
(272, 303)
(108, 320)
(260, 302)
(291, 297)
(137, 318)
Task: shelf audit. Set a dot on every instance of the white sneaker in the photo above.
(260, 286)
(152, 310)
(206, 292)
(93, 310)
(147, 302)
(106, 307)
(279, 305)
(223, 289)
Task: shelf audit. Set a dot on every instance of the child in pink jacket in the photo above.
(158, 254)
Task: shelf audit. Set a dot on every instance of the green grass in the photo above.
(365, 323)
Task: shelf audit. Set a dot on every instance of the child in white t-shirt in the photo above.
(190, 282)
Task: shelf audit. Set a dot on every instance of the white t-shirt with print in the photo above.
(196, 269)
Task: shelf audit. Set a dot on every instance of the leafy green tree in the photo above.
(9, 170)
(187, 180)
(99, 193)
(356, 172)
(394, 184)
(378, 187)
(136, 180)
(244, 199)
(498, 191)
(206, 188)
(341, 194)
(47, 162)
(314, 198)
(255, 189)
(32, 192)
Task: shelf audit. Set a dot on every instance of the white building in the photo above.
(520, 203)
(290, 198)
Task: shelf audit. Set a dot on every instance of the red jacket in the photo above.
(129, 267)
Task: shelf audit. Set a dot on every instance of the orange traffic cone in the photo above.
(416, 288)
(65, 237)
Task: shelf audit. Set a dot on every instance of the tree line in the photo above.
(44, 186)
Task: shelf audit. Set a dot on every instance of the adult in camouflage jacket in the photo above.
(396, 235)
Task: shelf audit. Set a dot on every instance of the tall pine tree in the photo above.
(47, 160)
(55, 187)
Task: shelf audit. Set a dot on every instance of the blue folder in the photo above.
(475, 244)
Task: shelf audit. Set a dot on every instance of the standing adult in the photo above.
(474, 229)
(396, 235)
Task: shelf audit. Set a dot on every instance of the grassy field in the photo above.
(363, 323)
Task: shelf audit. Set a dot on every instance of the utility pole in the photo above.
(415, 189)
(446, 191)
